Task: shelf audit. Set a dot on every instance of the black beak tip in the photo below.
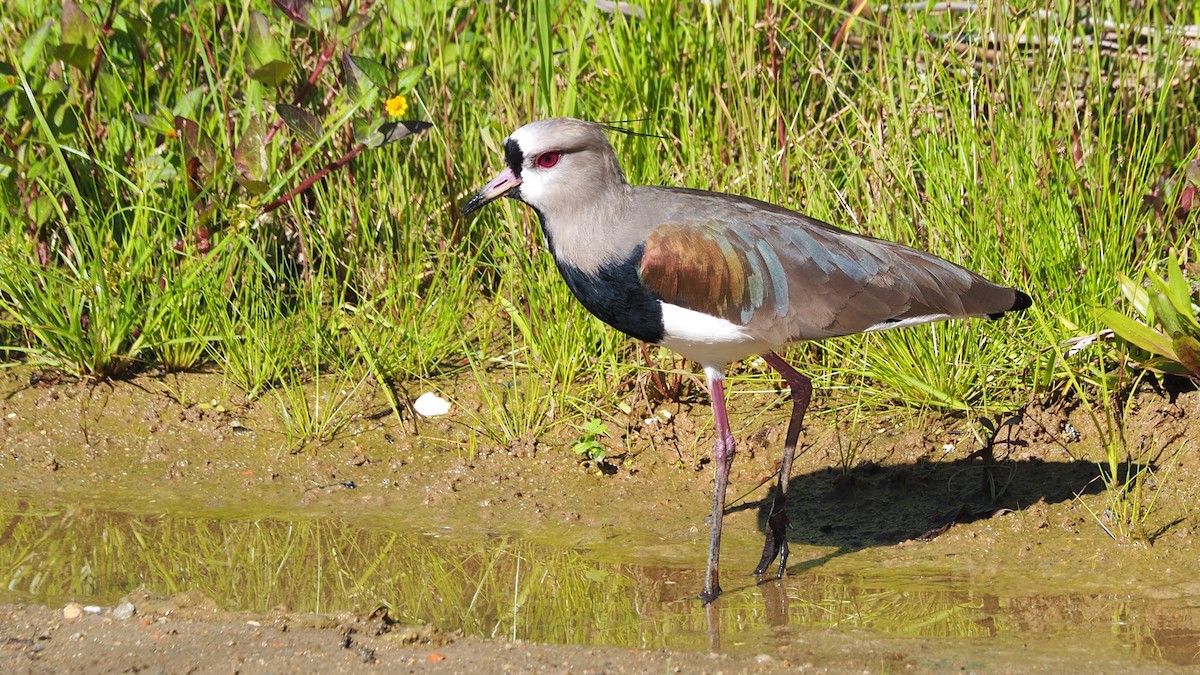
(474, 204)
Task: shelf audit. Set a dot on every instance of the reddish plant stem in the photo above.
(308, 182)
(843, 31)
(105, 32)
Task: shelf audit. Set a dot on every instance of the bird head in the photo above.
(557, 166)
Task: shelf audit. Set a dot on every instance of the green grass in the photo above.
(1015, 142)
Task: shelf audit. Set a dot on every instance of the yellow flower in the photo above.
(396, 106)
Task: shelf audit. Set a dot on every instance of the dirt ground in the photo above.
(915, 492)
(168, 639)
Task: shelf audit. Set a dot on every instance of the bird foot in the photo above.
(709, 594)
(776, 544)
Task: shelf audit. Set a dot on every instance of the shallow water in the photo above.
(492, 585)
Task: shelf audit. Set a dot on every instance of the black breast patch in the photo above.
(616, 296)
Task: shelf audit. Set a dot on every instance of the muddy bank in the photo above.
(912, 548)
(176, 636)
(173, 637)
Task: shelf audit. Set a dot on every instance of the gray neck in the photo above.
(590, 231)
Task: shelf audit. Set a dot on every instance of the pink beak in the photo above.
(500, 186)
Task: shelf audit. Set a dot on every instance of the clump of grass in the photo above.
(256, 345)
(318, 410)
(317, 396)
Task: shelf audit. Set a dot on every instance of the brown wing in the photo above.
(791, 278)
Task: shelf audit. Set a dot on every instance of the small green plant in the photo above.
(589, 448)
(1165, 338)
(256, 349)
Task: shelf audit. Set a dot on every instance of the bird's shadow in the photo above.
(876, 505)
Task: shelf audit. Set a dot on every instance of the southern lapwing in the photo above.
(718, 277)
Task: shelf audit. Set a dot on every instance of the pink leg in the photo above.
(777, 522)
(723, 458)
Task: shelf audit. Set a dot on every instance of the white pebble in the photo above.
(124, 610)
(662, 415)
(430, 404)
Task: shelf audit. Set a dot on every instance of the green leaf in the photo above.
(273, 74)
(74, 55)
(1161, 364)
(77, 28)
(361, 78)
(189, 103)
(303, 123)
(78, 36)
(250, 158)
(40, 210)
(265, 59)
(36, 169)
(1137, 334)
(367, 131)
(1136, 295)
(1161, 305)
(351, 77)
(318, 17)
(63, 116)
(156, 123)
(352, 23)
(1179, 292)
(408, 78)
(33, 46)
(373, 70)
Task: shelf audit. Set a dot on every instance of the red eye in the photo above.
(547, 160)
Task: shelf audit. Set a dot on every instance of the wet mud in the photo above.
(918, 542)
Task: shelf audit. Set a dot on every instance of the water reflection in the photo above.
(503, 586)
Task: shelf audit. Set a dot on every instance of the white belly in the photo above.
(707, 340)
